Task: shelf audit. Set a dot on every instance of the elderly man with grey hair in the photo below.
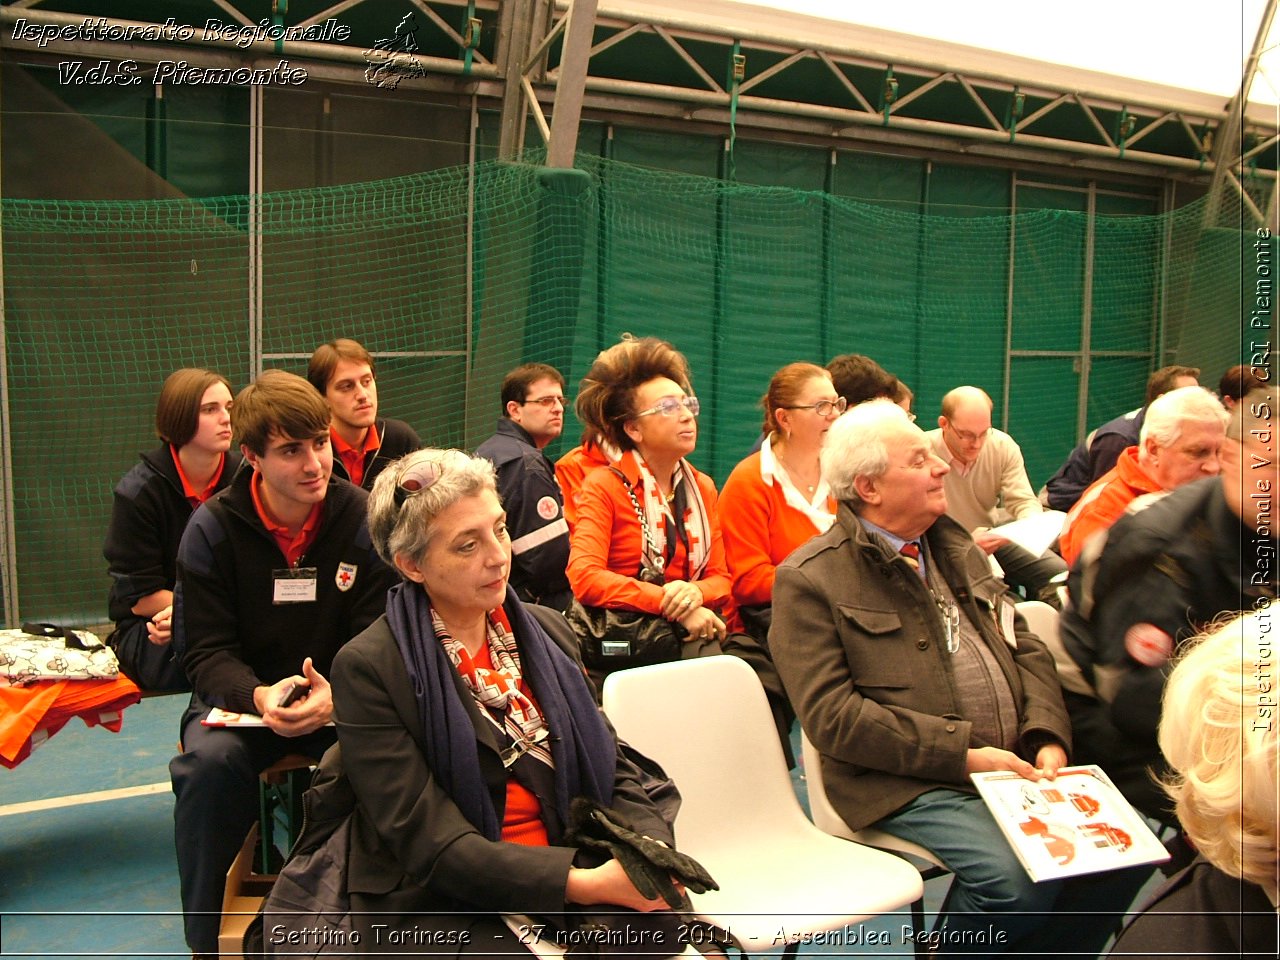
(910, 669)
(1179, 443)
(1166, 573)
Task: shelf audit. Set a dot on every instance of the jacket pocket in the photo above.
(870, 637)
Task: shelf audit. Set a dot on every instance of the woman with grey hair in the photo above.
(466, 731)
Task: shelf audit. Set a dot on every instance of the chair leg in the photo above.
(280, 800)
(917, 929)
(266, 827)
(946, 903)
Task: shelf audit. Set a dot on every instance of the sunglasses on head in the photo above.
(419, 477)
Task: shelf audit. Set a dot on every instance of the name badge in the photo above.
(1006, 624)
(294, 585)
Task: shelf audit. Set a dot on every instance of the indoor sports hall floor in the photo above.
(86, 847)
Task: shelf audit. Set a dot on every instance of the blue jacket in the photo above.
(535, 516)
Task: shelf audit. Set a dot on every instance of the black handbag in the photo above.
(618, 639)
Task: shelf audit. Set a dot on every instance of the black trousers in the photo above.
(151, 666)
(215, 782)
(1024, 569)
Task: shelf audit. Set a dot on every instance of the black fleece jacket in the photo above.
(149, 511)
(228, 632)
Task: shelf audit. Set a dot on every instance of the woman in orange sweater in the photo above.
(776, 499)
(662, 553)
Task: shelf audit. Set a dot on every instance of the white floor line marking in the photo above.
(55, 803)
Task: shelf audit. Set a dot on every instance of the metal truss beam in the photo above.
(998, 106)
(1229, 152)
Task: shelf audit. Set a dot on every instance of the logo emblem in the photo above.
(548, 509)
(346, 576)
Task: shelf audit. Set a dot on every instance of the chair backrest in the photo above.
(1042, 620)
(823, 813)
(708, 723)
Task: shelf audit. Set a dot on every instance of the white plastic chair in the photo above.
(829, 821)
(708, 723)
(1042, 620)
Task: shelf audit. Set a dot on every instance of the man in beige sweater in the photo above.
(988, 486)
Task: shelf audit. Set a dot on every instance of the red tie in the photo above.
(911, 550)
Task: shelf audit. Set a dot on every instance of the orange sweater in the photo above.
(571, 470)
(606, 547)
(1104, 502)
(760, 530)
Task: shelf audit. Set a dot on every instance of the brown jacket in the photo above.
(862, 652)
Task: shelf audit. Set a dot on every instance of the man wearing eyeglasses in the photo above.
(532, 416)
(987, 484)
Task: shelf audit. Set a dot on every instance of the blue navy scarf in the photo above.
(582, 746)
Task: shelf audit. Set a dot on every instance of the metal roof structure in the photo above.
(719, 66)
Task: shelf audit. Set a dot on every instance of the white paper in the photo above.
(1075, 824)
(1033, 533)
(225, 718)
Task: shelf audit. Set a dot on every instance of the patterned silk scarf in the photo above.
(657, 513)
(498, 690)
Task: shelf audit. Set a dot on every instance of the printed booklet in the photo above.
(1077, 823)
(225, 718)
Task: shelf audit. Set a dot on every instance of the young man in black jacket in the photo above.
(275, 574)
(342, 370)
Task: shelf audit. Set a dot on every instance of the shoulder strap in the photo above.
(650, 549)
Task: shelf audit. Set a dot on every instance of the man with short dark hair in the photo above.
(1102, 448)
(532, 416)
(275, 574)
(1239, 380)
(342, 370)
(858, 378)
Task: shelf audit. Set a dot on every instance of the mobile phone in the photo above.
(292, 694)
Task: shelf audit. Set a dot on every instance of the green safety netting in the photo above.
(455, 276)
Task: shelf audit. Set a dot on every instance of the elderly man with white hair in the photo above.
(910, 669)
(1179, 443)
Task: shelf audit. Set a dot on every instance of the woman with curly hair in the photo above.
(647, 536)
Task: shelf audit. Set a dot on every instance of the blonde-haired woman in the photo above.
(1218, 732)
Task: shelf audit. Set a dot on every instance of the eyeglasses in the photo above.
(421, 476)
(670, 406)
(968, 436)
(823, 408)
(545, 402)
